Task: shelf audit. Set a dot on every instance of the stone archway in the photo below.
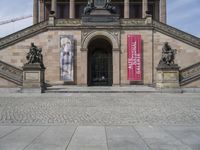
(115, 55)
(104, 34)
(100, 68)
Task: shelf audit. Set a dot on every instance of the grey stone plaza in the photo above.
(100, 121)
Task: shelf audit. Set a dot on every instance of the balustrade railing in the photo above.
(190, 74)
(11, 73)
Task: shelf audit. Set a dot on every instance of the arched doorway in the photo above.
(100, 70)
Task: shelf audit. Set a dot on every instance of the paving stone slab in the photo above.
(89, 138)
(21, 138)
(6, 130)
(158, 139)
(54, 138)
(124, 138)
(189, 135)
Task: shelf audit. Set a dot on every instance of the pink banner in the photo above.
(134, 46)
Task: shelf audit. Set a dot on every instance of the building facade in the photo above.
(64, 9)
(92, 46)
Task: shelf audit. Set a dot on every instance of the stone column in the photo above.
(54, 6)
(163, 12)
(144, 8)
(126, 8)
(41, 10)
(72, 9)
(35, 11)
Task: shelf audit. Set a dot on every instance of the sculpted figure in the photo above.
(88, 8)
(34, 55)
(109, 7)
(168, 55)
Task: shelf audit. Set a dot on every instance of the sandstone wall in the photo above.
(50, 43)
(193, 84)
(6, 83)
(152, 43)
(147, 55)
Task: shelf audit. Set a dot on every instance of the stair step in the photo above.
(95, 89)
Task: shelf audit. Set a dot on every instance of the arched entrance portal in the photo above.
(100, 63)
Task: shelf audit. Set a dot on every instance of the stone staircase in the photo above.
(22, 34)
(101, 89)
(190, 74)
(177, 34)
(11, 73)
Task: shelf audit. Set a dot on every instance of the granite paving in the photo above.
(99, 121)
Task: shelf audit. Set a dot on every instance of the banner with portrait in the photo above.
(67, 58)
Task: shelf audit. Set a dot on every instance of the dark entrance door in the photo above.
(100, 63)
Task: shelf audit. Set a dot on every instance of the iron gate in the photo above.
(101, 69)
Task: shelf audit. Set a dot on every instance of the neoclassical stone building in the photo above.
(65, 9)
(106, 43)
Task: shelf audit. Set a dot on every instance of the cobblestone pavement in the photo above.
(100, 121)
(99, 109)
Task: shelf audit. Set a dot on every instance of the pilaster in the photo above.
(116, 67)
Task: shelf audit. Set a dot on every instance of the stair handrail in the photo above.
(11, 73)
(190, 73)
(176, 33)
(20, 35)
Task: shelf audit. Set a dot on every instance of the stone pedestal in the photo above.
(33, 78)
(148, 19)
(100, 16)
(52, 18)
(168, 77)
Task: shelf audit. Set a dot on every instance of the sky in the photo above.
(181, 14)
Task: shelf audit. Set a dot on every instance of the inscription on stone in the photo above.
(32, 76)
(170, 76)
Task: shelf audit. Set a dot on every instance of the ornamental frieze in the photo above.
(68, 22)
(133, 22)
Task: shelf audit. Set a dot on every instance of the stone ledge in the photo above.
(31, 90)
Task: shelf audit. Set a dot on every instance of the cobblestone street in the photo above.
(99, 109)
(106, 121)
